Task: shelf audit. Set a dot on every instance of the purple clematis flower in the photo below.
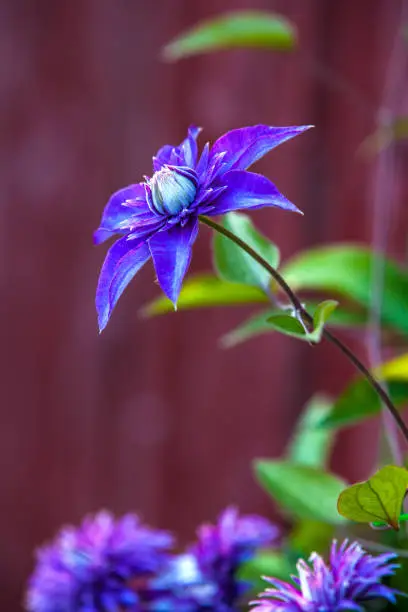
(91, 568)
(159, 217)
(350, 580)
(183, 588)
(223, 547)
(206, 577)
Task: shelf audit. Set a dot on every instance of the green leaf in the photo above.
(258, 324)
(395, 369)
(255, 326)
(346, 270)
(310, 536)
(320, 317)
(291, 326)
(237, 29)
(233, 264)
(379, 498)
(310, 444)
(304, 492)
(360, 401)
(288, 325)
(204, 291)
(349, 507)
(265, 563)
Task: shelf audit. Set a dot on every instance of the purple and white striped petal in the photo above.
(168, 155)
(123, 260)
(171, 254)
(245, 146)
(127, 202)
(162, 157)
(185, 154)
(189, 146)
(202, 164)
(247, 191)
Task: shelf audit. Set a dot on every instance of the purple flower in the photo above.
(223, 547)
(182, 587)
(350, 579)
(90, 568)
(159, 217)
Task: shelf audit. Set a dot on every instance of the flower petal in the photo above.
(246, 190)
(117, 211)
(202, 164)
(245, 146)
(206, 195)
(189, 146)
(142, 227)
(122, 261)
(162, 157)
(171, 253)
(185, 154)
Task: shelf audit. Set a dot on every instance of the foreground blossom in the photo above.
(91, 568)
(158, 218)
(349, 581)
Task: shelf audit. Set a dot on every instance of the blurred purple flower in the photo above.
(223, 547)
(159, 217)
(90, 568)
(350, 580)
(182, 587)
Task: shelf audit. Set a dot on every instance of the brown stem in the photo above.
(308, 319)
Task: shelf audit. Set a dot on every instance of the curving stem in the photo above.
(307, 319)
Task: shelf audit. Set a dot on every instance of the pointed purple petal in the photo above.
(101, 234)
(206, 195)
(171, 253)
(117, 211)
(168, 155)
(162, 157)
(138, 227)
(203, 161)
(122, 261)
(189, 146)
(246, 191)
(216, 167)
(185, 154)
(348, 606)
(245, 146)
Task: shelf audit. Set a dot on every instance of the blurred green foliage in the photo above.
(301, 483)
(254, 29)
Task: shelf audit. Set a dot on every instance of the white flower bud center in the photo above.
(173, 189)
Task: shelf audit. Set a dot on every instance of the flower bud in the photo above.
(173, 189)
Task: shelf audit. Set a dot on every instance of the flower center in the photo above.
(173, 189)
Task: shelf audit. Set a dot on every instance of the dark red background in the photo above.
(152, 416)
